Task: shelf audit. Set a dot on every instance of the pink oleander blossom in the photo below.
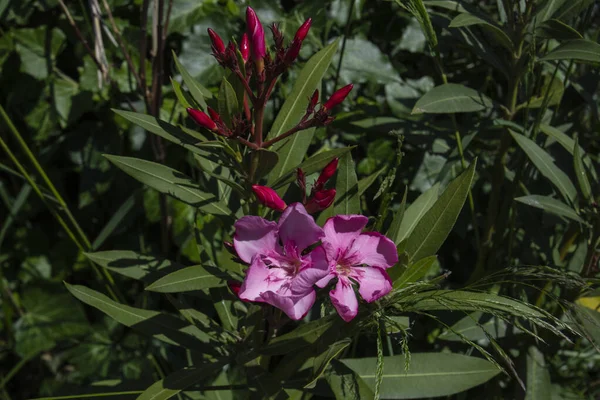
(356, 257)
(279, 273)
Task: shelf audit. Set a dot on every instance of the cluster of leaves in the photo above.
(491, 104)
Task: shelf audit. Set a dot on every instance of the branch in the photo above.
(300, 127)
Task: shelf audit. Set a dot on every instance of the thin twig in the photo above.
(122, 46)
(79, 34)
(297, 128)
(143, 49)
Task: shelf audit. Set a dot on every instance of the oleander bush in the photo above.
(300, 199)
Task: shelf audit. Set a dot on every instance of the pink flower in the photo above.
(279, 273)
(356, 257)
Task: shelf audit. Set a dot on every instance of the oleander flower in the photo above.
(356, 258)
(280, 273)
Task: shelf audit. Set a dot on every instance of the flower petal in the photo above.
(254, 235)
(297, 226)
(374, 282)
(344, 300)
(340, 232)
(374, 249)
(295, 307)
(317, 268)
(259, 279)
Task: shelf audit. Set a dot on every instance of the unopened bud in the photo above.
(303, 30)
(256, 35)
(337, 97)
(218, 46)
(320, 200)
(235, 287)
(269, 197)
(245, 47)
(202, 119)
(326, 173)
(213, 114)
(314, 99)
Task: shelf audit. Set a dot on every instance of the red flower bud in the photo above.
(202, 119)
(256, 35)
(303, 30)
(320, 200)
(218, 46)
(245, 47)
(326, 173)
(292, 52)
(269, 197)
(337, 97)
(314, 99)
(235, 287)
(213, 114)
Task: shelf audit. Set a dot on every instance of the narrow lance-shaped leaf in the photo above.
(169, 181)
(545, 164)
(467, 19)
(134, 265)
(228, 103)
(165, 130)
(394, 229)
(550, 205)
(180, 380)
(567, 143)
(415, 212)
(429, 375)
(164, 327)
(584, 183)
(189, 279)
(414, 272)
(197, 91)
(577, 50)
(346, 185)
(431, 231)
(538, 377)
(292, 149)
(451, 98)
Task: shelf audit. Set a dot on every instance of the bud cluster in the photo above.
(319, 199)
(258, 71)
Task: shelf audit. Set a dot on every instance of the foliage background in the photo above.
(52, 345)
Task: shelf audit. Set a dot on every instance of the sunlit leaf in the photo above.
(451, 98)
(551, 205)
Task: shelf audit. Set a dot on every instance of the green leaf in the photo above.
(471, 328)
(50, 316)
(115, 221)
(224, 304)
(547, 11)
(582, 179)
(292, 149)
(539, 386)
(171, 182)
(577, 50)
(347, 199)
(451, 98)
(447, 4)
(467, 19)
(545, 164)
(550, 205)
(302, 336)
(415, 212)
(182, 96)
(394, 229)
(134, 265)
(189, 279)
(163, 327)
(429, 375)
(267, 160)
(198, 92)
(431, 230)
(163, 129)
(322, 361)
(414, 272)
(180, 380)
(550, 95)
(346, 384)
(568, 144)
(228, 103)
(467, 301)
(313, 164)
(555, 29)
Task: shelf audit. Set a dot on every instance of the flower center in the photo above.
(343, 268)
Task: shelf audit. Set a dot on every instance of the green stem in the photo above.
(82, 242)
